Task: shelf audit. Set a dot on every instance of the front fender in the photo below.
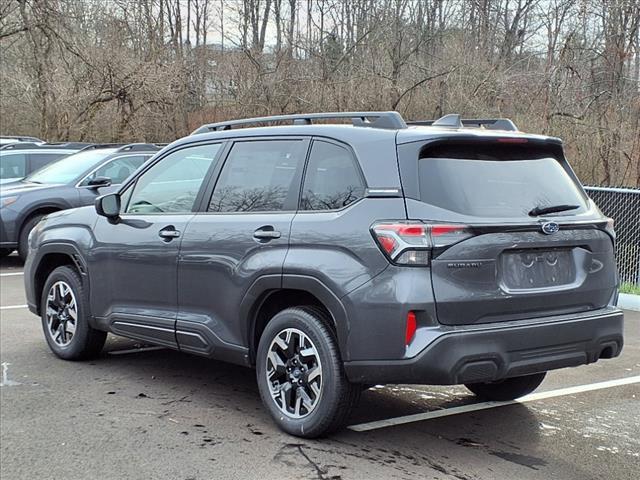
(37, 264)
(52, 238)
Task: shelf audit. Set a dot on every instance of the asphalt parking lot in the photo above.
(141, 413)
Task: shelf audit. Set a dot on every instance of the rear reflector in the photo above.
(412, 325)
(512, 140)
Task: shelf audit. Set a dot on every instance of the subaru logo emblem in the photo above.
(550, 228)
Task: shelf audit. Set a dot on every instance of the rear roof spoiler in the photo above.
(454, 120)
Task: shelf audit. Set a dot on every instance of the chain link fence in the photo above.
(623, 205)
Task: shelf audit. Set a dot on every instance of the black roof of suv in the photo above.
(333, 257)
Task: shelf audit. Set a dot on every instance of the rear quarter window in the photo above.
(332, 180)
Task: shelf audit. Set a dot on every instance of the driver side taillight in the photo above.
(409, 242)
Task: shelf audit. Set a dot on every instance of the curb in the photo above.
(628, 301)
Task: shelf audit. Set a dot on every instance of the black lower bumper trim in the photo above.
(496, 353)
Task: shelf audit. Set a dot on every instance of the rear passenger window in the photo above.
(258, 176)
(333, 180)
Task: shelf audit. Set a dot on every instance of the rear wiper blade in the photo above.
(552, 209)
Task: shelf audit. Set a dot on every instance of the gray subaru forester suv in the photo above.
(331, 257)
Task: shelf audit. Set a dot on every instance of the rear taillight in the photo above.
(412, 242)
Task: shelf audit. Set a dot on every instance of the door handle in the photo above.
(266, 233)
(168, 233)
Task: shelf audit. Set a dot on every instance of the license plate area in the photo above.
(535, 269)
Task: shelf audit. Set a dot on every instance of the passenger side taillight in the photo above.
(412, 242)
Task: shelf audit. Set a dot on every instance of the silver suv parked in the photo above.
(331, 257)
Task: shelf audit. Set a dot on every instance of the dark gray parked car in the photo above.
(333, 257)
(74, 181)
(19, 159)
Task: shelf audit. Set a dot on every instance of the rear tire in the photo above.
(325, 402)
(507, 389)
(23, 241)
(67, 331)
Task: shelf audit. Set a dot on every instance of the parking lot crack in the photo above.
(321, 473)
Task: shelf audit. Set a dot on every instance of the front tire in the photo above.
(507, 389)
(64, 314)
(300, 374)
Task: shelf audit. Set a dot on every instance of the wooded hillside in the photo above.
(154, 70)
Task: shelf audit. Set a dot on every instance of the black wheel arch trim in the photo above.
(267, 285)
(64, 248)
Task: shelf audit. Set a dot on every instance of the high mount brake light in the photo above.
(412, 242)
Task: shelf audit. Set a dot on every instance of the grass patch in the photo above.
(632, 288)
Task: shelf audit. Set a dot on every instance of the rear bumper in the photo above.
(495, 351)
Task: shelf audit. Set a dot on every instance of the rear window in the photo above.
(495, 184)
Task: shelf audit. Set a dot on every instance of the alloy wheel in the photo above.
(294, 373)
(62, 313)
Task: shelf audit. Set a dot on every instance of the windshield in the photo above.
(70, 168)
(502, 188)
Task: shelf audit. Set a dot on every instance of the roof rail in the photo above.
(19, 146)
(127, 147)
(453, 120)
(44, 146)
(140, 147)
(21, 138)
(387, 120)
(96, 146)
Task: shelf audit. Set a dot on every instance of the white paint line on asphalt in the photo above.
(135, 350)
(13, 307)
(364, 427)
(12, 274)
(5, 382)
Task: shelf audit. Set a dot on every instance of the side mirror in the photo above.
(98, 182)
(108, 206)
